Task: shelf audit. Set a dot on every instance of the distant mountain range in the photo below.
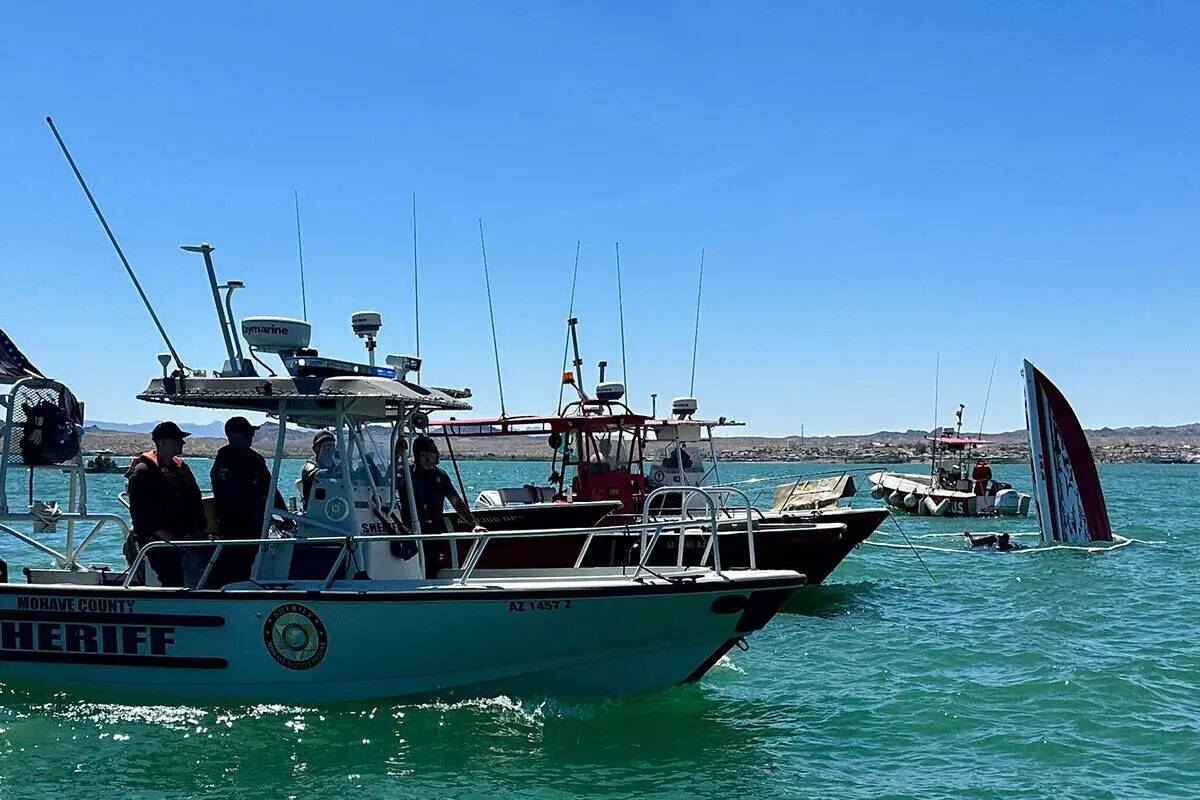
(208, 429)
(216, 430)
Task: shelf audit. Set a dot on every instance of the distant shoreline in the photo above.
(1179, 445)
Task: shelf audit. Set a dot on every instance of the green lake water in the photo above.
(1035, 675)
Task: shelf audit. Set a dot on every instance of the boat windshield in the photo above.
(371, 461)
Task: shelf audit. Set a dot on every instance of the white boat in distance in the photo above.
(340, 603)
(964, 488)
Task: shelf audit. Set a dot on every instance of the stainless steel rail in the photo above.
(470, 563)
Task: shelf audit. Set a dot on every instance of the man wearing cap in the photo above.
(324, 447)
(431, 489)
(164, 503)
(241, 481)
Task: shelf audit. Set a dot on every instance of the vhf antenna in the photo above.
(416, 286)
(492, 313)
(621, 313)
(696, 333)
(120, 253)
(570, 324)
(300, 250)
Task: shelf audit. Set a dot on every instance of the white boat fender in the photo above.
(910, 500)
(896, 499)
(879, 492)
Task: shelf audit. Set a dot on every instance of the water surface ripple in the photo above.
(1058, 674)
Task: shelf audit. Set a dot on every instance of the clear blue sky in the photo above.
(874, 183)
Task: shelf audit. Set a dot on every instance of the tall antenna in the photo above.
(987, 396)
(416, 283)
(300, 250)
(696, 333)
(937, 375)
(570, 315)
(491, 313)
(120, 253)
(621, 312)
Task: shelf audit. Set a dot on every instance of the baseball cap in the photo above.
(423, 444)
(168, 430)
(240, 425)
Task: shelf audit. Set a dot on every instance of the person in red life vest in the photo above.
(982, 475)
(164, 503)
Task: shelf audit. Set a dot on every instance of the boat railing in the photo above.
(715, 500)
(651, 531)
(16, 399)
(68, 558)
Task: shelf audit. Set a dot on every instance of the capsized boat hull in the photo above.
(606, 638)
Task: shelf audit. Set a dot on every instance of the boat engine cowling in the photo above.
(1009, 501)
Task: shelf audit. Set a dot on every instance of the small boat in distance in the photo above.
(959, 483)
(1070, 500)
(102, 462)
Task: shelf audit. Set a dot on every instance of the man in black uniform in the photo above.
(431, 489)
(164, 503)
(240, 483)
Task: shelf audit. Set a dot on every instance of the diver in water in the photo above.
(997, 541)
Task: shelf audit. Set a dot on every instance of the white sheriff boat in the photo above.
(341, 603)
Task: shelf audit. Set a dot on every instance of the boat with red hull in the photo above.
(600, 461)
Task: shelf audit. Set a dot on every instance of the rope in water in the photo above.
(1118, 542)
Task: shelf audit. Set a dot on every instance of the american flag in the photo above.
(13, 363)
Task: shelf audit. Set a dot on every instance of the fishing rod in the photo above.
(621, 313)
(987, 396)
(300, 250)
(416, 285)
(116, 246)
(696, 333)
(491, 313)
(570, 326)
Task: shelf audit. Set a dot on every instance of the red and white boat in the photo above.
(616, 467)
(1070, 500)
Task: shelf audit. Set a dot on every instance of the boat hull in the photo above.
(915, 494)
(336, 646)
(812, 543)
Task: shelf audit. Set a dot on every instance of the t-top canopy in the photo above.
(523, 425)
(304, 397)
(956, 441)
(527, 424)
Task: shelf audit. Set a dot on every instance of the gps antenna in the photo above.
(120, 253)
